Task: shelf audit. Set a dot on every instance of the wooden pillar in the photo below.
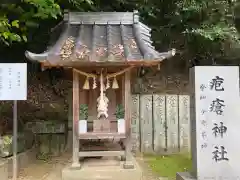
(70, 121)
(75, 155)
(127, 106)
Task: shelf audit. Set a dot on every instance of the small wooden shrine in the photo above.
(102, 49)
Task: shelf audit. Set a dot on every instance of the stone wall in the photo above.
(50, 137)
(160, 123)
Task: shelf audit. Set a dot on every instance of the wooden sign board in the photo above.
(13, 81)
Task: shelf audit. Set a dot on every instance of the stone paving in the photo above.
(52, 169)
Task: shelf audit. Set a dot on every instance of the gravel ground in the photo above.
(48, 170)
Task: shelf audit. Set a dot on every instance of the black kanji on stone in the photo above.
(219, 155)
(217, 106)
(204, 145)
(204, 134)
(203, 111)
(204, 122)
(219, 130)
(217, 84)
(202, 87)
(202, 97)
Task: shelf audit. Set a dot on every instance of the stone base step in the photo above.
(102, 169)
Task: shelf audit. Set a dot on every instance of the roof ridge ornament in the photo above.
(66, 14)
(174, 51)
(135, 16)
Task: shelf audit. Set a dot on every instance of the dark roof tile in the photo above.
(102, 37)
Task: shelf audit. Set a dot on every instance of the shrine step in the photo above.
(101, 135)
(100, 146)
(101, 153)
(104, 161)
(102, 169)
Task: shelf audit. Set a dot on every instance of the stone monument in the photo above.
(215, 123)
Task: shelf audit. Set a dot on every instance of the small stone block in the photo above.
(75, 166)
(106, 126)
(128, 165)
(184, 176)
(97, 126)
(101, 126)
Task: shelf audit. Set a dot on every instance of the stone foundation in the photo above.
(184, 176)
(103, 170)
(24, 158)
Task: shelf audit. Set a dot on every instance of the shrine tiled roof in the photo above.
(102, 37)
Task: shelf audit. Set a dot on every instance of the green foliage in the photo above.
(215, 19)
(199, 29)
(17, 19)
(120, 111)
(167, 166)
(83, 113)
(6, 34)
(78, 3)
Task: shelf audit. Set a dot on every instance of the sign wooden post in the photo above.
(15, 133)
